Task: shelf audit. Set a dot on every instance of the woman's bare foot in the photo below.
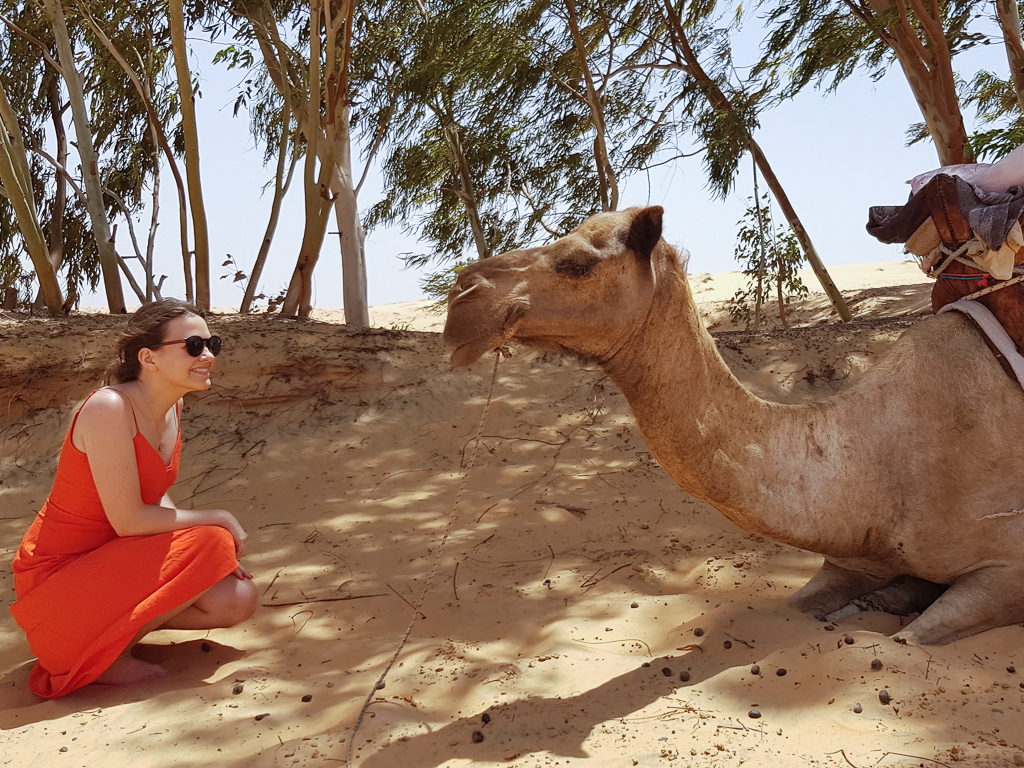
(127, 669)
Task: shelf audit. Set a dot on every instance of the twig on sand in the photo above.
(322, 600)
(272, 581)
(912, 757)
(841, 752)
(455, 575)
(590, 582)
(400, 597)
(731, 637)
(617, 640)
(311, 614)
(550, 562)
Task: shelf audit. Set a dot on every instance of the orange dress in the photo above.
(84, 592)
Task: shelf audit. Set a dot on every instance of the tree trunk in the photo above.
(145, 91)
(16, 179)
(350, 231)
(60, 194)
(801, 234)
(720, 102)
(1009, 20)
(928, 67)
(280, 187)
(186, 98)
(90, 168)
(607, 181)
(466, 193)
(298, 300)
(758, 299)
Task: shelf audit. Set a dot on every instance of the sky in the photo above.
(836, 156)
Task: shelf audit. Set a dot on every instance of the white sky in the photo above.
(835, 155)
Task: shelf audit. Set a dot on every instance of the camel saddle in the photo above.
(941, 235)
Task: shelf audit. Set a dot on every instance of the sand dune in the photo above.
(583, 610)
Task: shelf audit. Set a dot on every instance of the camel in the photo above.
(908, 480)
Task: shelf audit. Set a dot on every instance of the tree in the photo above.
(16, 179)
(316, 89)
(186, 102)
(726, 116)
(772, 257)
(87, 152)
(827, 40)
(513, 122)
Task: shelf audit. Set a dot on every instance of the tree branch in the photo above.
(35, 41)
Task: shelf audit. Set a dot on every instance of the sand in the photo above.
(583, 609)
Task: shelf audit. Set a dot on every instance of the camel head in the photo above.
(582, 294)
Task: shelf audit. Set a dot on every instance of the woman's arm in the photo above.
(105, 431)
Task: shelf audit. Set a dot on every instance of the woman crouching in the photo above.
(110, 558)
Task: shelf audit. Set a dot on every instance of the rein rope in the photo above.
(957, 255)
(437, 558)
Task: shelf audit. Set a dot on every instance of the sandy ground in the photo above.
(583, 610)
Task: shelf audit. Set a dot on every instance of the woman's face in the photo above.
(175, 365)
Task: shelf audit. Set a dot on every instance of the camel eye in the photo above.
(575, 267)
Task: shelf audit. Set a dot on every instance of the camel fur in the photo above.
(910, 479)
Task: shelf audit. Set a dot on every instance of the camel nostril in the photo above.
(460, 292)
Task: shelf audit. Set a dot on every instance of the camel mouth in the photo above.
(485, 336)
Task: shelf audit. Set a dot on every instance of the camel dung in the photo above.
(857, 708)
(884, 697)
(754, 714)
(666, 672)
(260, 717)
(1011, 669)
(698, 631)
(634, 605)
(848, 640)
(485, 718)
(727, 644)
(477, 737)
(876, 664)
(685, 677)
(238, 689)
(781, 672)
(206, 647)
(307, 698)
(755, 670)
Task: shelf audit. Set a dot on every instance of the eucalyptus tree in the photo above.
(125, 158)
(448, 81)
(693, 46)
(18, 188)
(826, 41)
(305, 47)
(998, 101)
(514, 122)
(190, 136)
(75, 83)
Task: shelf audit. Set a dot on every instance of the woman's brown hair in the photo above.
(145, 328)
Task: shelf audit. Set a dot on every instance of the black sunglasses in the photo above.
(194, 345)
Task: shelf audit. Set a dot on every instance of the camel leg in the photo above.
(977, 601)
(833, 587)
(904, 596)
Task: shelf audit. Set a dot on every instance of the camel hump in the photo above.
(645, 231)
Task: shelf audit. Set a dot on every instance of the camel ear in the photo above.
(645, 231)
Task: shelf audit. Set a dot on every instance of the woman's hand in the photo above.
(227, 521)
(242, 574)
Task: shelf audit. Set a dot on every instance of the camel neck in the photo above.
(702, 425)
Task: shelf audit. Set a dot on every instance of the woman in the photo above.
(109, 557)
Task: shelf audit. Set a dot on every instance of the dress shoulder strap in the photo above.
(74, 419)
(131, 405)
